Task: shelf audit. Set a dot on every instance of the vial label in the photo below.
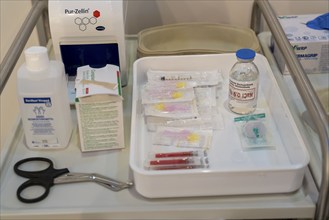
(39, 121)
(243, 96)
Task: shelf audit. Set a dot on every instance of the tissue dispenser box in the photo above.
(99, 108)
(311, 46)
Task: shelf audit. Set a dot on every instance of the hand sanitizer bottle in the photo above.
(43, 99)
(243, 84)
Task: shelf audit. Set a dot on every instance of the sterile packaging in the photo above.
(177, 163)
(212, 120)
(310, 45)
(177, 160)
(206, 95)
(170, 85)
(152, 122)
(99, 108)
(157, 95)
(201, 123)
(183, 137)
(172, 109)
(202, 78)
(170, 154)
(253, 132)
(211, 116)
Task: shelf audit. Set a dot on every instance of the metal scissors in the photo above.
(50, 176)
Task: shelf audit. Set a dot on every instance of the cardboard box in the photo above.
(311, 46)
(99, 108)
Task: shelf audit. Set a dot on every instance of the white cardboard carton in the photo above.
(311, 46)
(99, 108)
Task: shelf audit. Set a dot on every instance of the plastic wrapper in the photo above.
(209, 119)
(254, 133)
(170, 85)
(189, 153)
(206, 95)
(183, 137)
(177, 160)
(172, 109)
(202, 78)
(161, 94)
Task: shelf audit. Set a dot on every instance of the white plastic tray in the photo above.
(232, 171)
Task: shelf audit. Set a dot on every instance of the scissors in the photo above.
(50, 176)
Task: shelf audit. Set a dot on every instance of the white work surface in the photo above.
(91, 201)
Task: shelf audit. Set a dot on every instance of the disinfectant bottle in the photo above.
(243, 83)
(43, 99)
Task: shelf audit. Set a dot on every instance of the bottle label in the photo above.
(243, 92)
(39, 121)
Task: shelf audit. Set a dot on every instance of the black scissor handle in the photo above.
(44, 178)
(34, 182)
(32, 174)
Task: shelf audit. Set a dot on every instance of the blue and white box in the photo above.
(311, 46)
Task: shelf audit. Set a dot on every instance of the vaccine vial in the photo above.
(243, 83)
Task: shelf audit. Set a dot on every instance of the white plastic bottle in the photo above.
(243, 83)
(43, 98)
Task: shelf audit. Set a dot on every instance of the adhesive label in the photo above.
(243, 91)
(40, 121)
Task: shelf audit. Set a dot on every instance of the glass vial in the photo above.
(243, 83)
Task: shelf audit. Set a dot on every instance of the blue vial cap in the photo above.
(246, 54)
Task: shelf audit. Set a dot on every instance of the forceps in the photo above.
(50, 176)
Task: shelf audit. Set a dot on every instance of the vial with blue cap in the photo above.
(243, 83)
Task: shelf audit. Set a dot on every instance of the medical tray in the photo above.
(232, 171)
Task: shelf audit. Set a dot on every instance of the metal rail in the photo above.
(16, 48)
(306, 90)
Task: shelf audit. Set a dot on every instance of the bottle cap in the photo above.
(246, 54)
(36, 58)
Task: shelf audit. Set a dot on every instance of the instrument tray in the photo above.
(232, 171)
